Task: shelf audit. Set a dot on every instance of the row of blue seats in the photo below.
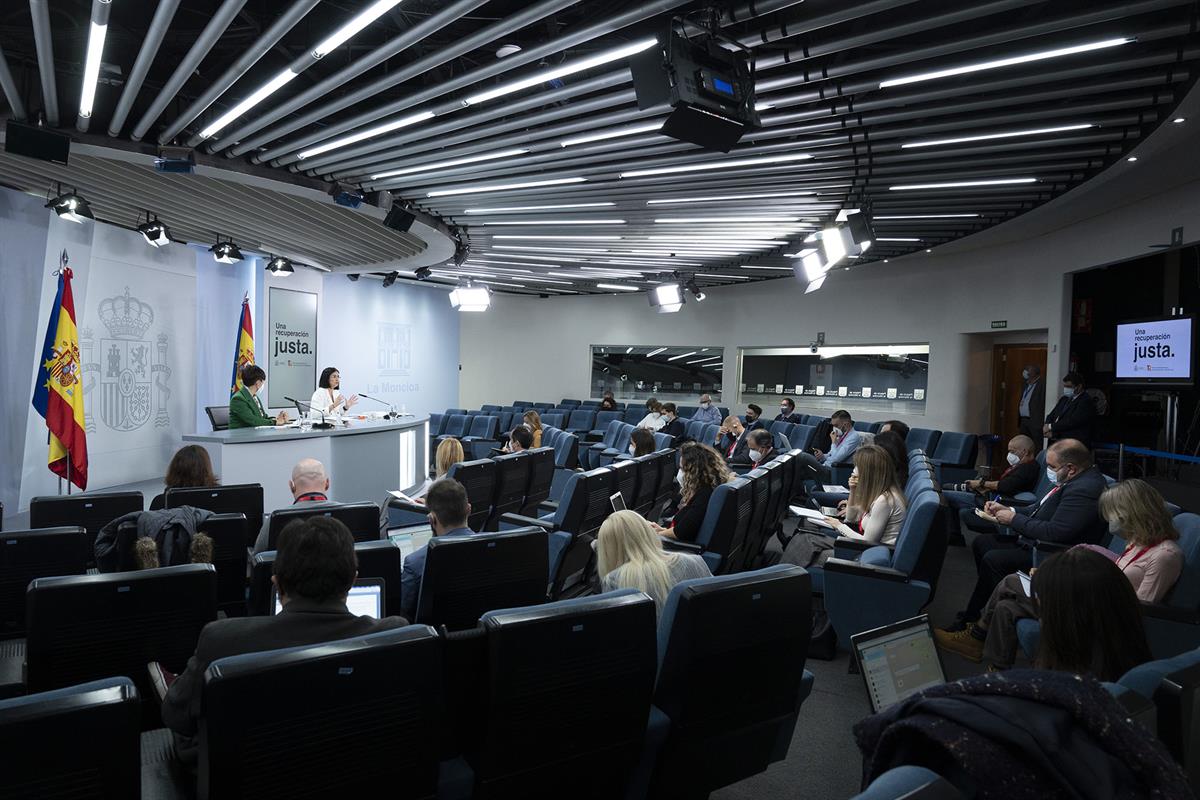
(618, 690)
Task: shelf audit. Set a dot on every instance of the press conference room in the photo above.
(370, 428)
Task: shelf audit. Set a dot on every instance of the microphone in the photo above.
(392, 413)
(323, 425)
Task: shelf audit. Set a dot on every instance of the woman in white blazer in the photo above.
(327, 399)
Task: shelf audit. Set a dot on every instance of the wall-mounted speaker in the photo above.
(34, 142)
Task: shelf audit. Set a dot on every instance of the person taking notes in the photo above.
(245, 408)
(327, 399)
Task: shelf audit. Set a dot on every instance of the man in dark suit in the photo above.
(245, 409)
(1069, 514)
(787, 411)
(754, 417)
(731, 440)
(1032, 406)
(449, 511)
(672, 425)
(1074, 416)
(315, 567)
(760, 448)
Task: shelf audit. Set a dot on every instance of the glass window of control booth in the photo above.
(889, 378)
(678, 374)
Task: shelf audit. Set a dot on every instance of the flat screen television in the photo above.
(1157, 351)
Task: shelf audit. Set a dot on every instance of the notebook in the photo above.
(897, 661)
(365, 599)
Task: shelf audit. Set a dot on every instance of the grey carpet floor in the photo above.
(823, 762)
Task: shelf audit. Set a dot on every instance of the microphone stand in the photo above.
(392, 412)
(322, 425)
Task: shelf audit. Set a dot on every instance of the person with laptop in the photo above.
(315, 568)
(449, 510)
(309, 484)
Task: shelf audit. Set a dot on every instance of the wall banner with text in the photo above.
(291, 362)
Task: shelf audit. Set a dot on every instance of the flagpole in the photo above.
(68, 472)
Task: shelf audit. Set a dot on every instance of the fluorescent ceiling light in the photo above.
(648, 262)
(618, 287)
(260, 94)
(752, 266)
(710, 199)
(872, 350)
(1005, 62)
(396, 124)
(702, 360)
(737, 162)
(550, 249)
(710, 239)
(682, 355)
(700, 275)
(613, 134)
(731, 220)
(472, 273)
(557, 222)
(498, 283)
(1007, 135)
(91, 67)
(655, 352)
(628, 350)
(896, 239)
(568, 237)
(959, 184)
(454, 162)
(502, 187)
(514, 209)
(546, 75)
(356, 24)
(924, 216)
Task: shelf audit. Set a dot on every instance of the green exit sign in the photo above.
(999, 323)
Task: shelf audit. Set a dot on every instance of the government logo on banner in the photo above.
(131, 366)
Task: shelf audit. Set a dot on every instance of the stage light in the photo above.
(353, 277)
(666, 298)
(280, 267)
(387, 127)
(390, 278)
(814, 266)
(154, 232)
(616, 287)
(71, 207)
(545, 76)
(988, 136)
(423, 273)
(815, 285)
(1005, 62)
(470, 298)
(727, 164)
(695, 290)
(598, 137)
(225, 252)
(91, 67)
(345, 195)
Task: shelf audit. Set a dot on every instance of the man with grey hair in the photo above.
(309, 484)
(707, 412)
(1031, 408)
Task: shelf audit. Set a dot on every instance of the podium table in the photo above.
(364, 458)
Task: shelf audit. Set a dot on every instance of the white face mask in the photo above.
(632, 449)
(1013, 459)
(1114, 527)
(679, 477)
(705, 404)
(755, 456)
(1068, 391)
(1052, 474)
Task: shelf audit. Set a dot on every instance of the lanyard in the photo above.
(1143, 552)
(310, 497)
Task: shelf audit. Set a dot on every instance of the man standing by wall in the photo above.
(1032, 409)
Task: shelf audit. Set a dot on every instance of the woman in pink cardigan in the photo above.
(1151, 560)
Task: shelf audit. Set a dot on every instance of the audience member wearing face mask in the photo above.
(1074, 416)
(754, 417)
(707, 413)
(731, 440)
(1068, 514)
(844, 441)
(641, 443)
(760, 448)
(701, 470)
(1149, 558)
(1021, 475)
(672, 425)
(787, 411)
(654, 417)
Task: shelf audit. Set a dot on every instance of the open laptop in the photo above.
(897, 661)
(365, 599)
(410, 538)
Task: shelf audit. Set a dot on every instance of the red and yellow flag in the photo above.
(58, 395)
(243, 348)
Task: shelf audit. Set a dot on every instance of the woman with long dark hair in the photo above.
(190, 467)
(701, 471)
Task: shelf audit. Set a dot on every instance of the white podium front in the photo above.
(365, 459)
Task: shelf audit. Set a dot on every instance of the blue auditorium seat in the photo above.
(866, 427)
(25, 555)
(954, 457)
(581, 422)
(695, 430)
(635, 414)
(541, 479)
(566, 401)
(722, 535)
(601, 425)
(607, 442)
(511, 484)
(802, 436)
(552, 419)
(620, 448)
(726, 632)
(663, 441)
(453, 411)
(490, 409)
(482, 436)
(910, 782)
(781, 428)
(922, 439)
(456, 427)
(523, 404)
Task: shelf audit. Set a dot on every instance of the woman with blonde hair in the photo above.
(630, 555)
(449, 453)
(533, 420)
(876, 507)
(701, 471)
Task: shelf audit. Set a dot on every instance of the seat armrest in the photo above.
(403, 505)
(548, 505)
(517, 519)
(680, 547)
(865, 570)
(1186, 616)
(1016, 502)
(859, 545)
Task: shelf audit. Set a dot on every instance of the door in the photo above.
(1007, 385)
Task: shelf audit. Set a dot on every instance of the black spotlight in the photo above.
(280, 267)
(399, 218)
(345, 195)
(71, 206)
(225, 252)
(461, 252)
(154, 232)
(353, 276)
(695, 290)
(423, 273)
(390, 278)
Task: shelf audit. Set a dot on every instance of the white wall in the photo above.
(539, 349)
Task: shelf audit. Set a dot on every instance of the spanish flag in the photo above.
(58, 395)
(243, 347)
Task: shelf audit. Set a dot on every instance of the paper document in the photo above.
(807, 513)
(399, 495)
(834, 488)
(979, 512)
(1026, 583)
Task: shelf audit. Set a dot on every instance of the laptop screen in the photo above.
(365, 599)
(897, 661)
